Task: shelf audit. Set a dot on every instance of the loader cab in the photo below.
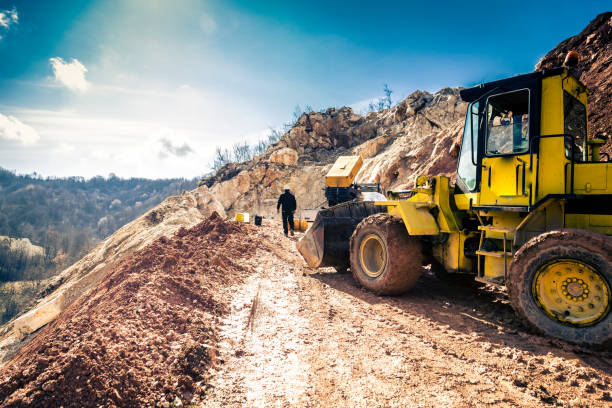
(501, 119)
(525, 139)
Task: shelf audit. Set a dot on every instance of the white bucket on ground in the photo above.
(242, 217)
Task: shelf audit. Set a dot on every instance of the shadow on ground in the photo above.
(469, 307)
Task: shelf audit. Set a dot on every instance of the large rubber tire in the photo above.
(589, 248)
(402, 255)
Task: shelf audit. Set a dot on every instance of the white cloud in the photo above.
(172, 143)
(8, 18)
(71, 74)
(178, 150)
(73, 143)
(207, 24)
(12, 128)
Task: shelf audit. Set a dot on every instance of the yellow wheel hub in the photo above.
(372, 255)
(572, 292)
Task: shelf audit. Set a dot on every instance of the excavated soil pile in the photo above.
(144, 334)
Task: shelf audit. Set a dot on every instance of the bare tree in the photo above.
(260, 147)
(297, 112)
(274, 135)
(222, 157)
(241, 152)
(387, 98)
(384, 102)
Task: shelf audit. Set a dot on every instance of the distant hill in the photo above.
(69, 216)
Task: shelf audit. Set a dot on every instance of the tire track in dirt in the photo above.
(394, 362)
(484, 360)
(263, 341)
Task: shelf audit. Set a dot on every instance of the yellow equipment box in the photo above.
(344, 171)
(242, 217)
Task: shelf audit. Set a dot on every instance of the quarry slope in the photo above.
(420, 135)
(227, 314)
(146, 327)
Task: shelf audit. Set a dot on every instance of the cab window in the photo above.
(575, 124)
(508, 123)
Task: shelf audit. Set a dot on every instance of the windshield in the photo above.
(467, 170)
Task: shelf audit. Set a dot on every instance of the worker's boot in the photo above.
(291, 232)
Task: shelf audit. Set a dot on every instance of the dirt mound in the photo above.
(595, 71)
(59, 292)
(143, 332)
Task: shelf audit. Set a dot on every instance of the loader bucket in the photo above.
(326, 243)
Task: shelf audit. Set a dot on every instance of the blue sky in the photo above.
(149, 88)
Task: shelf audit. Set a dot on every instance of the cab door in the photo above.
(505, 163)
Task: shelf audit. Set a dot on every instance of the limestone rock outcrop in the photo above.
(419, 135)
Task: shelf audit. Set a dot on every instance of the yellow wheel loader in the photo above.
(531, 209)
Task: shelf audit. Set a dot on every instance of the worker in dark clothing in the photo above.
(287, 201)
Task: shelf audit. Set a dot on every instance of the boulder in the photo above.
(286, 156)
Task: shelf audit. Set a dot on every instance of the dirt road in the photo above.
(227, 315)
(300, 337)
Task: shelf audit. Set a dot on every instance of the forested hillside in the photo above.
(68, 216)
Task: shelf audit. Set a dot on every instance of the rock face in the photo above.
(421, 139)
(594, 44)
(416, 136)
